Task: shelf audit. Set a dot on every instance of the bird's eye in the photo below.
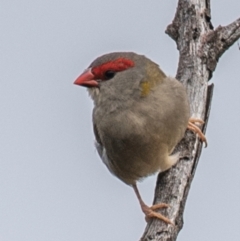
(109, 74)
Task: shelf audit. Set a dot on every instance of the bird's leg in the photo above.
(193, 127)
(150, 211)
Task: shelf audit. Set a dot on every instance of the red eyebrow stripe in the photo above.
(116, 65)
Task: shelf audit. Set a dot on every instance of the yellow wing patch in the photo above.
(154, 77)
(145, 87)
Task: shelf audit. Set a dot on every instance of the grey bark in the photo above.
(200, 47)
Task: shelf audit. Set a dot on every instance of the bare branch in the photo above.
(216, 42)
(189, 8)
(199, 47)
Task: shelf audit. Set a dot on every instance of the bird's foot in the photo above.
(150, 212)
(192, 125)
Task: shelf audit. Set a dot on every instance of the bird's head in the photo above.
(120, 74)
(103, 69)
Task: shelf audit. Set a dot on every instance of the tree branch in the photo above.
(216, 42)
(196, 41)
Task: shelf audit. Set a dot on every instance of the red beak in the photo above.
(86, 79)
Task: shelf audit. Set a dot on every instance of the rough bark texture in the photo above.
(200, 47)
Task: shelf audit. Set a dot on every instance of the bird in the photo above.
(140, 114)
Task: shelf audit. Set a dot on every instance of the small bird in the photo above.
(139, 116)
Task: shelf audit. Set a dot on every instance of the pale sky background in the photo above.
(53, 185)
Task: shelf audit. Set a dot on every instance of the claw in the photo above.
(193, 127)
(150, 211)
